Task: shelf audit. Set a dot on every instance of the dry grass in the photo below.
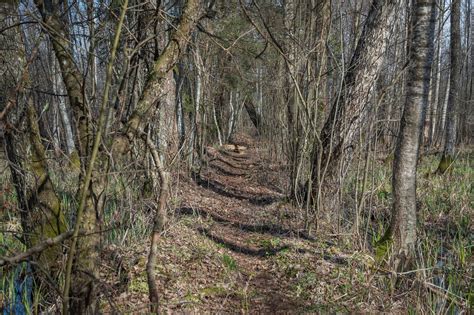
(234, 255)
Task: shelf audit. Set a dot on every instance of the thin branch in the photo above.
(12, 260)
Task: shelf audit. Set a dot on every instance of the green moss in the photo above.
(192, 298)
(382, 248)
(75, 161)
(138, 285)
(445, 164)
(213, 291)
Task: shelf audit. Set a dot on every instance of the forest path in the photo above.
(243, 210)
(235, 245)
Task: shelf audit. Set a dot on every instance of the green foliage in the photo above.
(305, 283)
(270, 244)
(229, 262)
(383, 194)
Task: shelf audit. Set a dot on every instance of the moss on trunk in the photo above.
(46, 218)
(445, 164)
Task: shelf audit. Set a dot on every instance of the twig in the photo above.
(35, 249)
(11, 100)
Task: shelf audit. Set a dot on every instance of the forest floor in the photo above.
(235, 245)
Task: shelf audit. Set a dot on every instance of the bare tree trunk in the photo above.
(233, 104)
(194, 141)
(254, 115)
(402, 230)
(167, 127)
(70, 146)
(290, 99)
(465, 90)
(455, 70)
(444, 109)
(435, 96)
(347, 114)
(179, 79)
(216, 124)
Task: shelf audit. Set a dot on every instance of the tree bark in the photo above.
(402, 230)
(455, 70)
(435, 103)
(254, 115)
(179, 78)
(40, 208)
(342, 127)
(69, 136)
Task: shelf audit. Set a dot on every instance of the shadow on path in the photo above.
(233, 246)
(272, 229)
(223, 171)
(220, 189)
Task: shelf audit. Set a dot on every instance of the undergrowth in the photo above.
(441, 283)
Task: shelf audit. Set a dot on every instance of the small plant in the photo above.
(270, 244)
(229, 262)
(139, 285)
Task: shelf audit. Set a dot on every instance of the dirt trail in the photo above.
(237, 246)
(246, 219)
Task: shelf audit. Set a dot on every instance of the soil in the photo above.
(235, 245)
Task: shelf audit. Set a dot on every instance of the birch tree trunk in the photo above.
(453, 98)
(179, 81)
(435, 103)
(195, 120)
(402, 230)
(69, 136)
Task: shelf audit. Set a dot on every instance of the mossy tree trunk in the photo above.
(86, 260)
(82, 291)
(402, 231)
(40, 207)
(46, 218)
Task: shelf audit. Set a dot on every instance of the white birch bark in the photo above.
(403, 224)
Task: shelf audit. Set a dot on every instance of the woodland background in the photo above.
(247, 156)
